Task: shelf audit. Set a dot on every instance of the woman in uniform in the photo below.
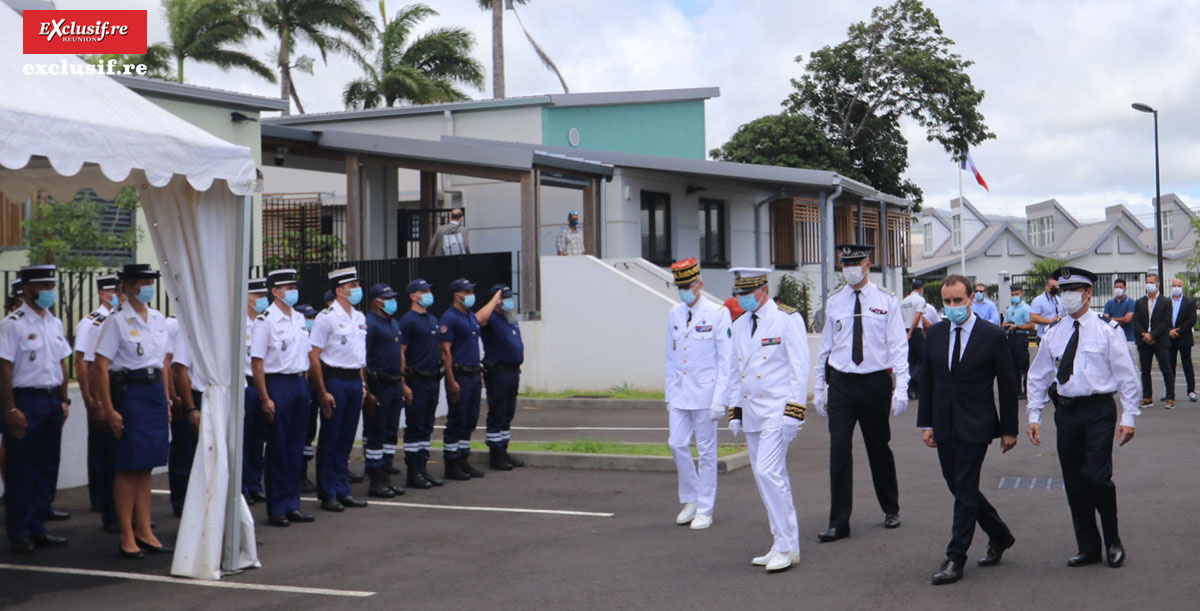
(131, 353)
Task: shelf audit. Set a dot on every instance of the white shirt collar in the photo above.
(967, 325)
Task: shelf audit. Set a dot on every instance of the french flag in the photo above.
(970, 164)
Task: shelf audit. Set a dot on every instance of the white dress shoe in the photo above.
(763, 560)
(782, 560)
(685, 516)
(701, 521)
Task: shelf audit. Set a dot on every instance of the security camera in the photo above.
(279, 155)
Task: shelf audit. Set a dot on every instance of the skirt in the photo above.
(145, 442)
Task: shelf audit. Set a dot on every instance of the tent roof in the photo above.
(91, 128)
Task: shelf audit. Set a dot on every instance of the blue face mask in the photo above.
(426, 300)
(45, 299)
(1016, 300)
(291, 296)
(308, 323)
(509, 304)
(114, 303)
(389, 307)
(687, 295)
(146, 294)
(979, 296)
(355, 295)
(957, 315)
(468, 301)
(260, 305)
(747, 302)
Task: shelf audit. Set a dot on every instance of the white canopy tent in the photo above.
(60, 133)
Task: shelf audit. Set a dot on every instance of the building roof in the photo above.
(203, 95)
(557, 100)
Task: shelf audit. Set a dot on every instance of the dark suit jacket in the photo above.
(1158, 324)
(961, 404)
(1186, 322)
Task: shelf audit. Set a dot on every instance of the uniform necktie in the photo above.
(753, 324)
(689, 320)
(1067, 366)
(856, 352)
(957, 349)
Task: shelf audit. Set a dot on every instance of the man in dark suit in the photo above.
(1151, 328)
(1183, 319)
(964, 357)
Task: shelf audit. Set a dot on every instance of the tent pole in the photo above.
(241, 263)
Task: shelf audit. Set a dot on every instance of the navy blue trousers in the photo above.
(96, 432)
(502, 388)
(183, 451)
(31, 463)
(381, 431)
(337, 437)
(418, 419)
(106, 469)
(285, 442)
(463, 415)
(254, 432)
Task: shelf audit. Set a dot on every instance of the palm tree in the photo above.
(420, 70)
(158, 60)
(340, 26)
(498, 45)
(205, 29)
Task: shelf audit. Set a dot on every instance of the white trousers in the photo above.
(695, 486)
(768, 459)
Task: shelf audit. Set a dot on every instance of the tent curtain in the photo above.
(197, 241)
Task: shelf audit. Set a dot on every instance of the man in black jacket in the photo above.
(1151, 327)
(1183, 319)
(964, 357)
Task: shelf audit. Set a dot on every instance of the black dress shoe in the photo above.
(351, 502)
(1115, 555)
(48, 540)
(155, 549)
(136, 555)
(397, 489)
(257, 497)
(415, 480)
(949, 572)
(24, 545)
(995, 550)
(891, 520)
(307, 486)
(355, 478)
(280, 521)
(332, 505)
(111, 529)
(833, 534)
(54, 515)
(299, 516)
(1084, 559)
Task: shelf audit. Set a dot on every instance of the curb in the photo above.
(610, 462)
(580, 402)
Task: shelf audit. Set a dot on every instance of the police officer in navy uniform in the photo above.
(464, 381)
(503, 354)
(107, 442)
(106, 290)
(279, 359)
(185, 422)
(33, 397)
(385, 380)
(314, 407)
(864, 336)
(422, 360)
(254, 423)
(1081, 362)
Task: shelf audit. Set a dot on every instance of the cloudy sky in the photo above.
(1059, 78)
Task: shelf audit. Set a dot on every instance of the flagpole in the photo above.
(962, 220)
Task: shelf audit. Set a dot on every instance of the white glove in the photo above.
(716, 412)
(819, 400)
(735, 427)
(899, 403)
(791, 426)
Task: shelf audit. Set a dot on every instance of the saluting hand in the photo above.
(1035, 433)
(1124, 434)
(16, 422)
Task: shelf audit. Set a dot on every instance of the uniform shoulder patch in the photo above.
(1114, 324)
(787, 309)
(16, 315)
(262, 316)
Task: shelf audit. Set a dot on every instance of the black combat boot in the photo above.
(468, 468)
(429, 478)
(379, 487)
(512, 461)
(416, 480)
(454, 470)
(498, 462)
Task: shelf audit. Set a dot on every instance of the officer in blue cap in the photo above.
(503, 354)
(385, 380)
(464, 382)
(422, 360)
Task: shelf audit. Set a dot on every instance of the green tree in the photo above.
(205, 31)
(786, 140)
(420, 70)
(797, 293)
(498, 45)
(329, 25)
(1045, 266)
(294, 247)
(159, 61)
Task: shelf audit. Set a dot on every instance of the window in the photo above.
(783, 233)
(1041, 231)
(957, 230)
(12, 213)
(927, 234)
(1168, 230)
(713, 232)
(656, 227)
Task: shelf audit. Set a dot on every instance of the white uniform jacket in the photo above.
(770, 367)
(698, 356)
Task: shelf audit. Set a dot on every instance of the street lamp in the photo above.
(1138, 106)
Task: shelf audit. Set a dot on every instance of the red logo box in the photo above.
(75, 32)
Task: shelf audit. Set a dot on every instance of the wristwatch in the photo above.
(66, 400)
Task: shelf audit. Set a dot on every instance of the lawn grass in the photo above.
(593, 446)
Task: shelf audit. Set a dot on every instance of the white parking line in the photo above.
(555, 512)
(229, 585)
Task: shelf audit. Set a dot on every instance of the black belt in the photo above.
(429, 374)
(384, 377)
(1076, 402)
(148, 375)
(338, 372)
(830, 373)
(249, 380)
(467, 369)
(285, 375)
(49, 392)
(494, 367)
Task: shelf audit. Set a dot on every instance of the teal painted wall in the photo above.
(671, 129)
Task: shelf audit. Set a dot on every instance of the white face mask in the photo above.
(853, 274)
(1177, 291)
(1119, 292)
(1151, 289)
(1072, 301)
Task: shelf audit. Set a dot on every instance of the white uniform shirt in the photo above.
(1047, 306)
(967, 326)
(884, 335)
(132, 343)
(909, 308)
(249, 328)
(181, 355)
(931, 314)
(171, 324)
(1102, 365)
(341, 336)
(281, 341)
(83, 330)
(770, 367)
(698, 354)
(35, 346)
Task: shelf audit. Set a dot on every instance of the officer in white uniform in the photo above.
(697, 369)
(106, 290)
(279, 360)
(337, 371)
(34, 402)
(1087, 359)
(767, 392)
(864, 336)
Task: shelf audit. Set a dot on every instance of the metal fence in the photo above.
(302, 227)
(416, 227)
(1102, 290)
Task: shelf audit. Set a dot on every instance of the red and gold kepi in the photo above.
(686, 271)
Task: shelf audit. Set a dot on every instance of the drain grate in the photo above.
(1030, 483)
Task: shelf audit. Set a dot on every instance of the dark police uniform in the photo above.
(385, 380)
(503, 354)
(96, 428)
(314, 407)
(460, 329)
(183, 437)
(422, 357)
(254, 422)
